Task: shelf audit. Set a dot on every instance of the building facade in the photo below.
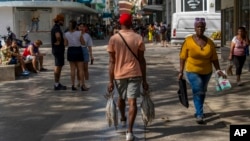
(153, 10)
(37, 16)
(235, 13)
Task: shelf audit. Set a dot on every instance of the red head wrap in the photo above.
(126, 19)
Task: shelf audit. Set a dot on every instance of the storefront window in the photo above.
(244, 14)
(228, 26)
(33, 20)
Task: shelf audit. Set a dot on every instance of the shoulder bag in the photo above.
(128, 46)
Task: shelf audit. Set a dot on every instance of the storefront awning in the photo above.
(72, 6)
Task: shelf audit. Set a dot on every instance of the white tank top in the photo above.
(73, 38)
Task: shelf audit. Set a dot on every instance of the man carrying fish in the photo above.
(127, 70)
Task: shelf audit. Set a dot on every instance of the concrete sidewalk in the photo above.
(30, 110)
(176, 123)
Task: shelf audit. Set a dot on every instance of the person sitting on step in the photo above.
(32, 53)
(10, 55)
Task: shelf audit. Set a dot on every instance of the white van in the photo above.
(183, 25)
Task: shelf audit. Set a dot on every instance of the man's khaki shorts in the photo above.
(128, 87)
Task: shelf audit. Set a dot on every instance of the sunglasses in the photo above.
(200, 19)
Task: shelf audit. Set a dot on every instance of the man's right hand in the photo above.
(110, 87)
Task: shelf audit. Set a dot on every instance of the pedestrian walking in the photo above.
(150, 33)
(58, 50)
(163, 30)
(238, 52)
(197, 55)
(74, 40)
(168, 34)
(127, 70)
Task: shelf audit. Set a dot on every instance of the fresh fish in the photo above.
(111, 110)
(147, 108)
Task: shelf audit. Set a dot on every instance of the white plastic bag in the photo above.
(111, 111)
(222, 83)
(147, 108)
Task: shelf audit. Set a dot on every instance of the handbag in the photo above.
(128, 46)
(182, 93)
(229, 68)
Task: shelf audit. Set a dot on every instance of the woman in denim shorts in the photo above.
(87, 49)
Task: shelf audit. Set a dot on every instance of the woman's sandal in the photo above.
(84, 88)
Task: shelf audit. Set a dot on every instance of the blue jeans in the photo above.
(34, 24)
(198, 85)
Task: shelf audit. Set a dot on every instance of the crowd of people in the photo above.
(152, 33)
(197, 57)
(10, 54)
(79, 52)
(127, 64)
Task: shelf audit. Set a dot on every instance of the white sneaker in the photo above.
(129, 136)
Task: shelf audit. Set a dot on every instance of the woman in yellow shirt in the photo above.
(197, 55)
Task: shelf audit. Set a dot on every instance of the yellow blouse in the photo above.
(198, 60)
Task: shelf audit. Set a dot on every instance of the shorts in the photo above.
(59, 59)
(74, 54)
(163, 36)
(85, 52)
(128, 87)
(29, 58)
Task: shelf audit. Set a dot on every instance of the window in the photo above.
(158, 2)
(217, 5)
(153, 2)
(186, 24)
(228, 25)
(150, 2)
(244, 17)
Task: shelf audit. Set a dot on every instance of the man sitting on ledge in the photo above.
(9, 54)
(32, 53)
